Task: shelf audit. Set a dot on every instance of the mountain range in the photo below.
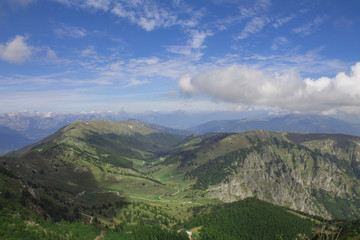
(291, 122)
(126, 172)
(19, 129)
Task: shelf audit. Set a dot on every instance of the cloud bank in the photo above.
(246, 85)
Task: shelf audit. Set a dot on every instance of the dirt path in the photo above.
(160, 199)
(91, 217)
(176, 192)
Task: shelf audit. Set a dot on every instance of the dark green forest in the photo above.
(251, 219)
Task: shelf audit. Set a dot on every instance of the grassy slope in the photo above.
(79, 158)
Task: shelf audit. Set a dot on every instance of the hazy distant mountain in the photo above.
(162, 128)
(34, 126)
(292, 122)
(37, 125)
(23, 128)
(10, 140)
(31, 127)
(41, 124)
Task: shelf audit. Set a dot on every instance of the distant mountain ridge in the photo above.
(10, 140)
(19, 129)
(162, 128)
(29, 127)
(292, 122)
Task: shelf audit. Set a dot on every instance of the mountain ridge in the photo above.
(291, 122)
(310, 177)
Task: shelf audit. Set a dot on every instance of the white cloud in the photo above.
(97, 4)
(16, 50)
(281, 21)
(245, 85)
(70, 31)
(135, 82)
(91, 4)
(255, 25)
(186, 85)
(147, 14)
(198, 38)
(50, 53)
(193, 46)
(88, 51)
(310, 27)
(278, 42)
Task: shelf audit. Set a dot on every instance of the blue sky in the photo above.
(207, 55)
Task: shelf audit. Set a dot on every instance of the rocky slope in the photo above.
(319, 176)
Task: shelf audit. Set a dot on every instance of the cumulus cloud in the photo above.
(16, 50)
(245, 85)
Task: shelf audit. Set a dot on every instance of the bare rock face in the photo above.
(290, 177)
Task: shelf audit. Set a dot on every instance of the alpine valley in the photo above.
(101, 179)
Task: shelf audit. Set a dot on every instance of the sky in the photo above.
(273, 56)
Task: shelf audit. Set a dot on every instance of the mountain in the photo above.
(292, 122)
(34, 126)
(124, 174)
(315, 173)
(73, 152)
(10, 140)
(81, 166)
(162, 128)
(19, 129)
